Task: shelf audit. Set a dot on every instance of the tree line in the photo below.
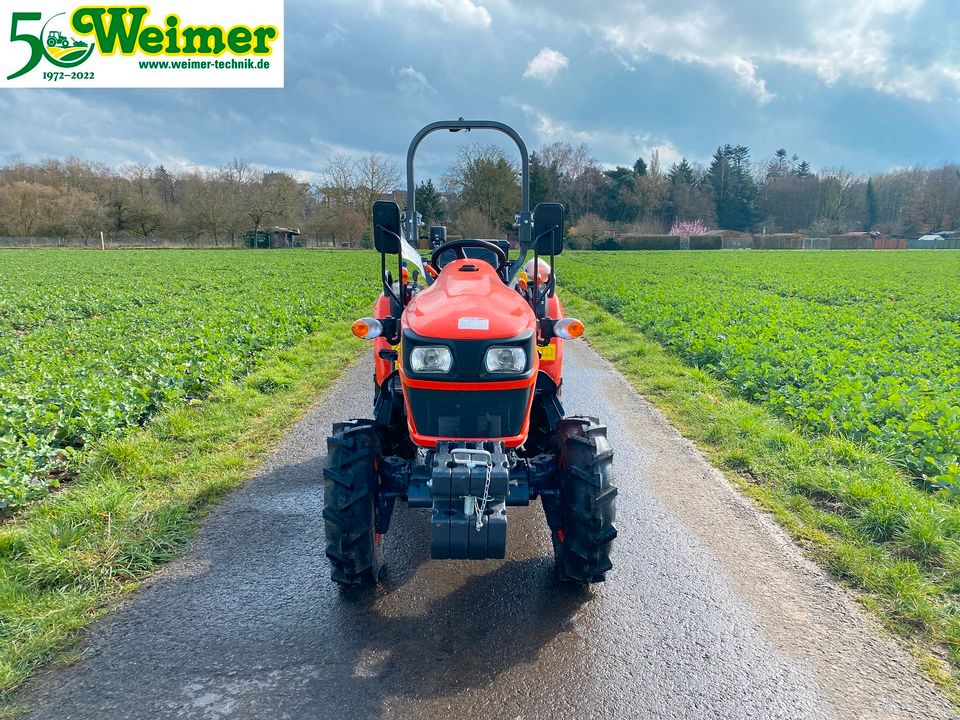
(477, 197)
(80, 199)
(777, 195)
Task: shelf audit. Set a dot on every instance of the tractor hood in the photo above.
(468, 301)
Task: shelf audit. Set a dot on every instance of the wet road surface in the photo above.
(709, 612)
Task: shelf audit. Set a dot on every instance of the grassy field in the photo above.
(827, 383)
(95, 344)
(154, 382)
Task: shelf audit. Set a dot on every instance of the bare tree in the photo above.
(144, 214)
(25, 207)
(471, 222)
(835, 192)
(590, 228)
(340, 182)
(76, 213)
(941, 197)
(358, 183)
(573, 173)
(375, 175)
(258, 201)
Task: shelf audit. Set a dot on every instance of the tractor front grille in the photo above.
(468, 414)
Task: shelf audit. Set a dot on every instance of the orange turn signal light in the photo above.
(431, 270)
(568, 328)
(367, 328)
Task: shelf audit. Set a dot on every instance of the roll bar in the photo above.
(526, 217)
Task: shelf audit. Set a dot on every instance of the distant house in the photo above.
(277, 237)
(397, 196)
(285, 237)
(926, 242)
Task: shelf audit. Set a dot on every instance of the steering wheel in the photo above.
(459, 248)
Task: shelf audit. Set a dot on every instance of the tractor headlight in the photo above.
(505, 360)
(425, 359)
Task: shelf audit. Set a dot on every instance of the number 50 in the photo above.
(36, 46)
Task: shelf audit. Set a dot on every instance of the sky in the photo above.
(869, 85)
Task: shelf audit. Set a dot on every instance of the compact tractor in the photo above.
(467, 419)
(55, 37)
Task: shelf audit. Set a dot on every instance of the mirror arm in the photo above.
(525, 231)
(398, 297)
(549, 287)
(545, 233)
(388, 231)
(401, 286)
(535, 297)
(387, 290)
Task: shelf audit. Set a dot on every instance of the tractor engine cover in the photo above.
(453, 533)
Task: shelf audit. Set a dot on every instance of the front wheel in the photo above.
(586, 527)
(349, 503)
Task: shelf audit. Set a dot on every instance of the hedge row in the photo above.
(782, 241)
(650, 242)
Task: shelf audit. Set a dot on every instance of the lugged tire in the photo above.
(349, 503)
(588, 509)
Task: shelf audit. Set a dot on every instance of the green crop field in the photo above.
(826, 384)
(154, 381)
(858, 344)
(93, 344)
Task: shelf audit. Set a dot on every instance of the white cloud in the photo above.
(410, 80)
(458, 12)
(409, 13)
(335, 35)
(610, 146)
(858, 42)
(746, 72)
(687, 37)
(863, 42)
(546, 65)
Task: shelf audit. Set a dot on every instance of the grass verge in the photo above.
(817, 488)
(138, 501)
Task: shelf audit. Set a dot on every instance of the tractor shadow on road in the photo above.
(425, 645)
(433, 629)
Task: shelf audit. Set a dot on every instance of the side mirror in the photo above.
(386, 227)
(438, 236)
(548, 228)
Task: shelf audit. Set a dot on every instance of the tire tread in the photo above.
(349, 493)
(588, 508)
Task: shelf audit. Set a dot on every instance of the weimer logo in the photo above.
(141, 46)
(53, 43)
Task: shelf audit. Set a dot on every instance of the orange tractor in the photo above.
(467, 419)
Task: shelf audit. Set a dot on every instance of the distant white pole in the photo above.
(103, 244)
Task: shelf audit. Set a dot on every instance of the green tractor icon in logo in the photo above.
(61, 50)
(55, 38)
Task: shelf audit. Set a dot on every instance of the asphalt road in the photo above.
(709, 612)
